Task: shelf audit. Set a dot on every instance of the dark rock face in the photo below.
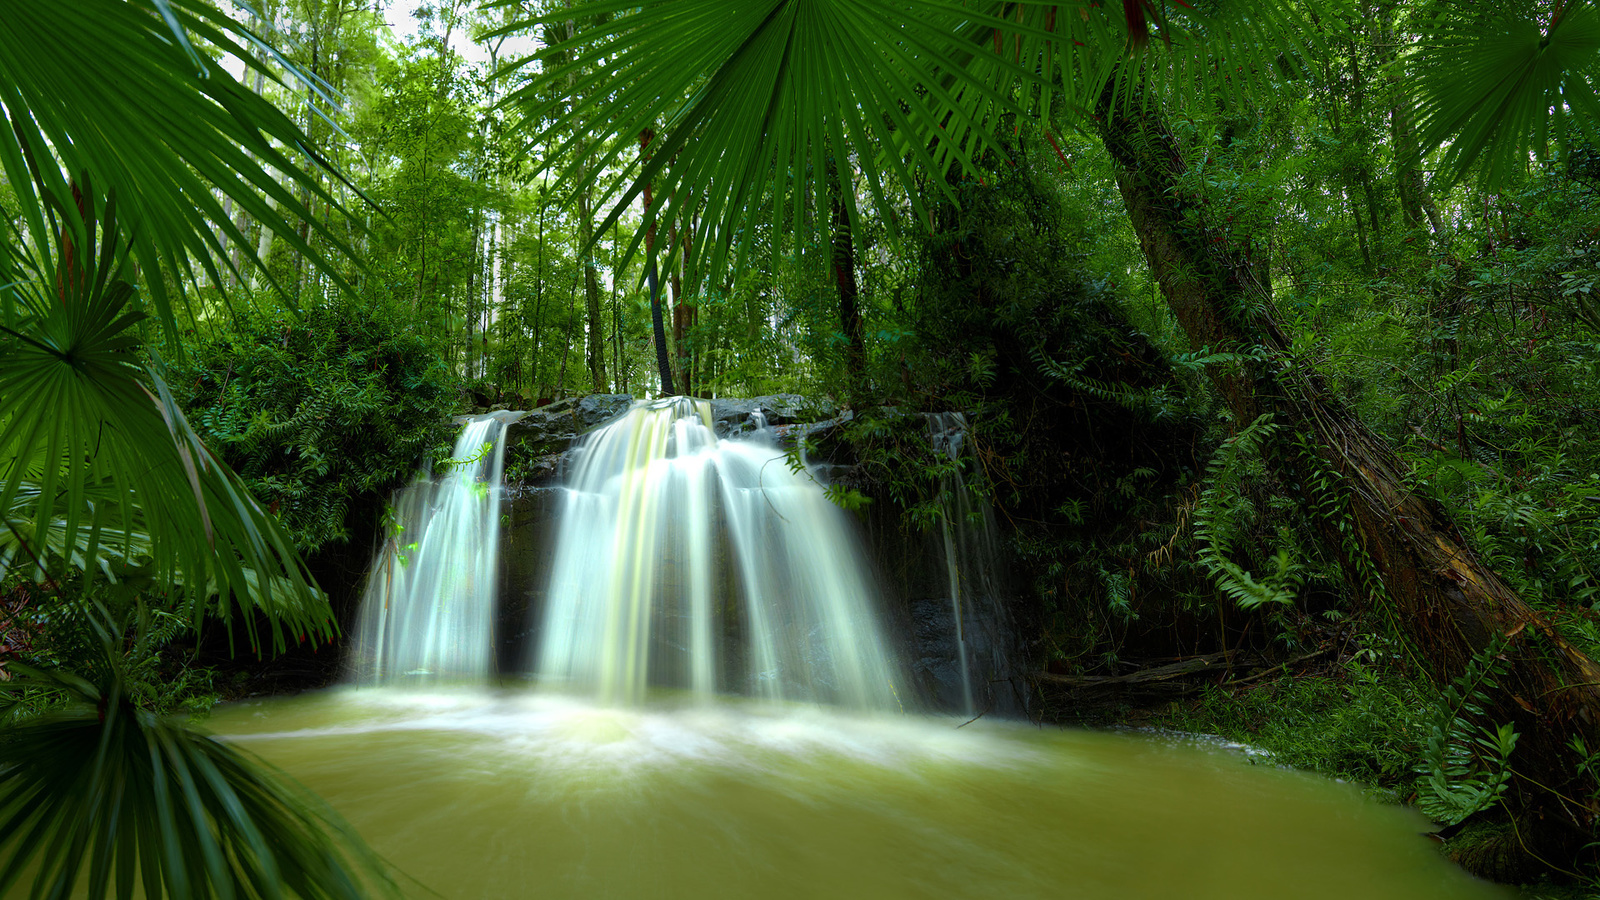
(914, 572)
(552, 429)
(527, 550)
(733, 416)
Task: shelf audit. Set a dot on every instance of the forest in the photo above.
(1273, 330)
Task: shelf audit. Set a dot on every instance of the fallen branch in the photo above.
(1191, 666)
(1194, 665)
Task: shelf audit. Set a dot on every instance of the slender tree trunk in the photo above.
(1398, 546)
(1336, 119)
(566, 343)
(470, 300)
(241, 222)
(1415, 200)
(263, 249)
(691, 359)
(538, 303)
(616, 314)
(682, 308)
(663, 362)
(844, 279)
(591, 295)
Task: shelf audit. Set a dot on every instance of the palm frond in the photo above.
(766, 110)
(105, 794)
(118, 90)
(1497, 83)
(1226, 51)
(112, 469)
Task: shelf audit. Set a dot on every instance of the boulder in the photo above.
(732, 416)
(551, 429)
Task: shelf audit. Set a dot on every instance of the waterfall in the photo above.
(688, 562)
(971, 549)
(428, 610)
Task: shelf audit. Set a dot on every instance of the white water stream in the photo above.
(428, 611)
(684, 561)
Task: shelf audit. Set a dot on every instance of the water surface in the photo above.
(485, 795)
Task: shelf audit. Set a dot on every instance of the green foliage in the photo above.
(1358, 721)
(101, 791)
(1498, 82)
(1465, 765)
(321, 411)
(100, 472)
(58, 626)
(1220, 513)
(139, 70)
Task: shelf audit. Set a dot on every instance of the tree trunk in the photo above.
(617, 321)
(1415, 200)
(683, 308)
(538, 306)
(663, 361)
(1398, 547)
(844, 279)
(591, 295)
(566, 340)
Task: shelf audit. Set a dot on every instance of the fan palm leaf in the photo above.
(767, 110)
(1496, 82)
(756, 104)
(97, 460)
(140, 102)
(102, 793)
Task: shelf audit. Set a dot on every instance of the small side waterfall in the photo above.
(428, 610)
(688, 562)
(971, 549)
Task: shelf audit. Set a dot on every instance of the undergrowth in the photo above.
(1360, 722)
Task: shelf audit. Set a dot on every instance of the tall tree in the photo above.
(1399, 548)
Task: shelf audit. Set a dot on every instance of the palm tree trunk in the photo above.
(1397, 546)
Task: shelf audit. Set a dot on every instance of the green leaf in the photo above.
(1496, 84)
(101, 789)
(116, 92)
(771, 111)
(97, 462)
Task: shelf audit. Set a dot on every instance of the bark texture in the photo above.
(591, 299)
(1399, 548)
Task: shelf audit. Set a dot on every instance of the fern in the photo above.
(1466, 766)
(1156, 404)
(1217, 518)
(1119, 593)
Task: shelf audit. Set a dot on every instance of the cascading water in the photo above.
(428, 611)
(714, 566)
(971, 549)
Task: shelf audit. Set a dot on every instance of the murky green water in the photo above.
(479, 795)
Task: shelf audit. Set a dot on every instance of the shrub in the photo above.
(320, 410)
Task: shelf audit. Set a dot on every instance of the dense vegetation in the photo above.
(1294, 365)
